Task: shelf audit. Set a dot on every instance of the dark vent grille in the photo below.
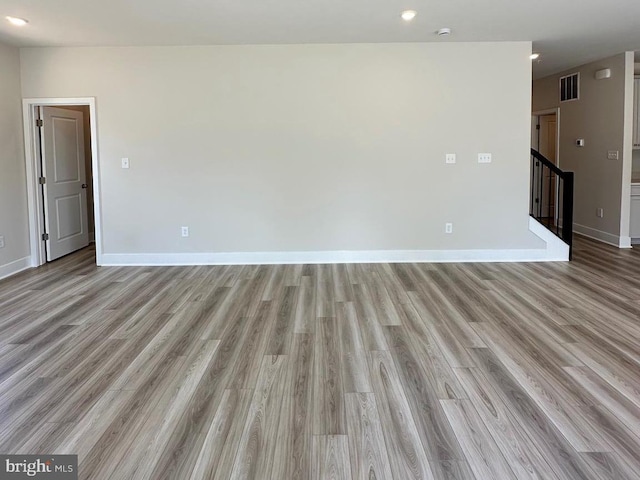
(570, 87)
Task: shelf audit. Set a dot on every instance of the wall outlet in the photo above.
(1, 242)
(600, 212)
(450, 158)
(484, 158)
(185, 231)
(448, 228)
(125, 163)
(613, 155)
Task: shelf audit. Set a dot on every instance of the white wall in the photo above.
(13, 197)
(601, 117)
(304, 147)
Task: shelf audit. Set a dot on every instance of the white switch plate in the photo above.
(1, 242)
(448, 228)
(484, 158)
(613, 155)
(450, 158)
(125, 163)
(600, 212)
(185, 231)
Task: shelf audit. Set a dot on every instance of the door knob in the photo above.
(84, 185)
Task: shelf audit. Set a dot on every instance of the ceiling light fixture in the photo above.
(408, 15)
(444, 31)
(534, 56)
(18, 22)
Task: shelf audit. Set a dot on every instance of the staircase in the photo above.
(552, 197)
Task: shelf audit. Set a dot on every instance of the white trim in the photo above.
(33, 201)
(556, 249)
(604, 237)
(363, 256)
(627, 153)
(14, 267)
(625, 242)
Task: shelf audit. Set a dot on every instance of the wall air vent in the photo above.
(570, 87)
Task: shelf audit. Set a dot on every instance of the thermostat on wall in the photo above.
(580, 142)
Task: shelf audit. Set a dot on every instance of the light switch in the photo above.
(450, 158)
(613, 154)
(484, 158)
(125, 163)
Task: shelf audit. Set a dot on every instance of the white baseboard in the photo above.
(324, 257)
(625, 242)
(556, 250)
(605, 237)
(15, 267)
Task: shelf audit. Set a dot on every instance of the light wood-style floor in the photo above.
(429, 371)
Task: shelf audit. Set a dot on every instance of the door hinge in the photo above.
(538, 127)
(42, 180)
(45, 237)
(39, 122)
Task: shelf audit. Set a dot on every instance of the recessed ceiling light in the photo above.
(444, 31)
(18, 22)
(534, 56)
(408, 15)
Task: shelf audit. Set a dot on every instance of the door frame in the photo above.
(32, 164)
(539, 114)
(550, 111)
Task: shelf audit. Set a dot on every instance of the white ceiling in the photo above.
(565, 32)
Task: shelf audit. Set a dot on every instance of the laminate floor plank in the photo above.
(220, 445)
(566, 416)
(435, 432)
(407, 457)
(366, 441)
(255, 456)
(521, 454)
(482, 453)
(355, 368)
(328, 388)
(292, 456)
(330, 458)
(559, 453)
(306, 306)
(443, 380)
(347, 371)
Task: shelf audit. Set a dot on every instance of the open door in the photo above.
(547, 147)
(65, 183)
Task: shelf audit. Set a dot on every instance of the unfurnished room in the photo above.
(329, 240)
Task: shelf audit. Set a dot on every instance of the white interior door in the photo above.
(65, 184)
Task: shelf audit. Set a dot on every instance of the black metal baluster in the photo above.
(562, 203)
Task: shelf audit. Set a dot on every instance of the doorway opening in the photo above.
(545, 138)
(62, 177)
